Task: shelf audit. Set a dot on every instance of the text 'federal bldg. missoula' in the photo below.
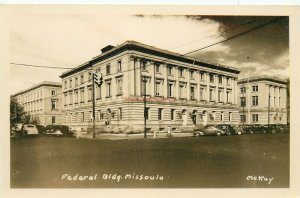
(181, 92)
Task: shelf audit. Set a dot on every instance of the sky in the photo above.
(68, 39)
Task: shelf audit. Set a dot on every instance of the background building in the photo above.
(42, 102)
(181, 92)
(263, 100)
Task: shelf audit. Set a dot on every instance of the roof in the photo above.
(262, 78)
(140, 47)
(41, 84)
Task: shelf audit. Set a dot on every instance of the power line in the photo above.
(41, 66)
(238, 35)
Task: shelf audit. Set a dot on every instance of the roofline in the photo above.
(41, 84)
(262, 78)
(139, 47)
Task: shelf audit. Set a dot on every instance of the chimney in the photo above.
(107, 48)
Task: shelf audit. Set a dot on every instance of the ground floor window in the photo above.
(172, 114)
(53, 120)
(243, 118)
(254, 117)
(160, 110)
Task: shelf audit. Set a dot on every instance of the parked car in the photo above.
(58, 130)
(29, 129)
(208, 130)
(16, 129)
(245, 128)
(41, 129)
(229, 129)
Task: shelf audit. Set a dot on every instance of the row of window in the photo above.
(255, 101)
(254, 89)
(79, 94)
(81, 78)
(182, 73)
(254, 117)
(222, 95)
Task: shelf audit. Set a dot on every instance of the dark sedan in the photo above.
(208, 130)
(58, 130)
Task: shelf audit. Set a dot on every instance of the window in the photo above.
(120, 113)
(170, 70)
(243, 101)
(108, 69)
(81, 79)
(254, 100)
(144, 65)
(228, 81)
(255, 88)
(228, 96)
(169, 90)
(99, 91)
(71, 98)
(202, 77)
(119, 66)
(243, 118)
(192, 74)
(192, 93)
(76, 81)
(90, 76)
(53, 104)
(66, 98)
(53, 120)
(254, 117)
(202, 91)
(82, 117)
(274, 101)
(99, 115)
(230, 116)
(213, 116)
(82, 95)
(181, 91)
(181, 72)
(222, 116)
(90, 96)
(157, 86)
(66, 85)
(76, 96)
(211, 94)
(53, 92)
(91, 116)
(108, 89)
(157, 67)
(279, 101)
(119, 86)
(160, 110)
(211, 78)
(243, 89)
(70, 83)
(144, 86)
(146, 113)
(220, 79)
(172, 114)
(219, 96)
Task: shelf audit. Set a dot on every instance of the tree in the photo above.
(17, 113)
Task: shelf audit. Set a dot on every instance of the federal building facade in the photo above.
(42, 102)
(263, 100)
(170, 89)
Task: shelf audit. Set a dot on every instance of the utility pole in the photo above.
(248, 92)
(98, 79)
(94, 104)
(145, 109)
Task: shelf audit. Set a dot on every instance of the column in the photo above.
(138, 81)
(176, 85)
(207, 86)
(165, 82)
(188, 84)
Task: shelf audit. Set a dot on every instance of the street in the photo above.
(241, 161)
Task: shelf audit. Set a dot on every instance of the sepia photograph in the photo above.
(148, 97)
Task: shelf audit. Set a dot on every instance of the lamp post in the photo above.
(269, 98)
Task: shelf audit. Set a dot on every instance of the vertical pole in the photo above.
(145, 109)
(93, 93)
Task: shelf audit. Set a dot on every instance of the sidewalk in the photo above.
(122, 136)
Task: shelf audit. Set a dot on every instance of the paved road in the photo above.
(226, 161)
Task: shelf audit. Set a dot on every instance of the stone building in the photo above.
(42, 102)
(263, 100)
(181, 92)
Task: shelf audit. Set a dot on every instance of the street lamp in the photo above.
(145, 108)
